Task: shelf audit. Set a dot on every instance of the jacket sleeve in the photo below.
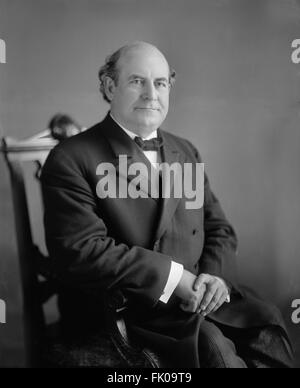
(82, 254)
(219, 253)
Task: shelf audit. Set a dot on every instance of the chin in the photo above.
(150, 118)
(149, 123)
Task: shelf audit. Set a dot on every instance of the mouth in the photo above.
(147, 108)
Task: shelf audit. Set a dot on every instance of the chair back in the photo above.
(24, 159)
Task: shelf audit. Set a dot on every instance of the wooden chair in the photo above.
(43, 344)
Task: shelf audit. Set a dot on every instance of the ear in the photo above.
(109, 87)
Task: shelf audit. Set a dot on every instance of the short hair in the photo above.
(110, 69)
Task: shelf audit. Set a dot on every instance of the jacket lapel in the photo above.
(122, 144)
(169, 205)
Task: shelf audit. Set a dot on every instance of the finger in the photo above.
(220, 303)
(199, 310)
(200, 294)
(222, 285)
(184, 307)
(201, 279)
(215, 300)
(189, 307)
(208, 296)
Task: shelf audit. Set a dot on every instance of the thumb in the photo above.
(184, 306)
(199, 282)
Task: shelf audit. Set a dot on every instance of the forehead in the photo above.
(146, 62)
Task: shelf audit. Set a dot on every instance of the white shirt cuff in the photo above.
(173, 280)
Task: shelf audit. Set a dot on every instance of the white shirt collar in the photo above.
(131, 134)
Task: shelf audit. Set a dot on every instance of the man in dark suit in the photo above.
(172, 263)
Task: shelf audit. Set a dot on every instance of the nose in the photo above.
(150, 92)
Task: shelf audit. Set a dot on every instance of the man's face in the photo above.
(140, 98)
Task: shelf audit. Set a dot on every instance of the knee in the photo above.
(215, 350)
(211, 335)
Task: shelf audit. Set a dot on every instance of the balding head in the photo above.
(113, 63)
(136, 81)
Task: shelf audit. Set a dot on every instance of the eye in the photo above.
(137, 81)
(161, 84)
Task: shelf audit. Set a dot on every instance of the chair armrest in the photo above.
(134, 354)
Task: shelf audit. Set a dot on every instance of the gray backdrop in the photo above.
(237, 98)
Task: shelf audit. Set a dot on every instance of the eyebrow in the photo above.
(133, 76)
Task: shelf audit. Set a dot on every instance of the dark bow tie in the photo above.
(149, 145)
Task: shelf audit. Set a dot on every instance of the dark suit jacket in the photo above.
(102, 246)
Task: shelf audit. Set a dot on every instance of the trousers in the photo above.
(222, 346)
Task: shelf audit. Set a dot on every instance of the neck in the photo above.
(138, 131)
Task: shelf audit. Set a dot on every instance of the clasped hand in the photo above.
(204, 294)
